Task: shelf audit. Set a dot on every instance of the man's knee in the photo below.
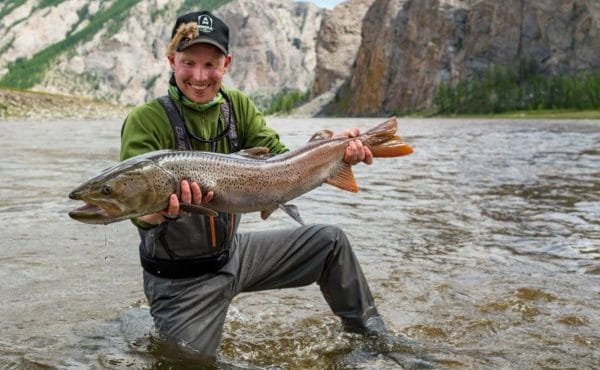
(333, 236)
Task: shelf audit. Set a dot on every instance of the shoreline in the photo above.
(31, 105)
(34, 105)
(558, 114)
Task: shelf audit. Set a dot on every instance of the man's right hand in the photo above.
(190, 193)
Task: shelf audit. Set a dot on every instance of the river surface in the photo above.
(483, 246)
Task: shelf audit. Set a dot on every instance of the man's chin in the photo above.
(202, 98)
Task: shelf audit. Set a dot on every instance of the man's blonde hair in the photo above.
(185, 32)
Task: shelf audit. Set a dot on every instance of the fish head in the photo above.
(127, 190)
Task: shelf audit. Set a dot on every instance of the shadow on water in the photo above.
(482, 247)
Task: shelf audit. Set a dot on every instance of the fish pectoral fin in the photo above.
(259, 152)
(194, 208)
(292, 211)
(344, 179)
(321, 135)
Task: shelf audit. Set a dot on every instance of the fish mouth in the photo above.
(95, 211)
(89, 212)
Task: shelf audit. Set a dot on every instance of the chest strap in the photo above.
(182, 138)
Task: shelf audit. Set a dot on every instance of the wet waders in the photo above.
(195, 266)
(192, 311)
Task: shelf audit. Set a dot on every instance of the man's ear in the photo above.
(171, 59)
(228, 60)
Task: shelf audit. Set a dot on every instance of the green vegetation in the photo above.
(500, 89)
(285, 101)
(48, 3)
(541, 114)
(9, 6)
(150, 82)
(25, 73)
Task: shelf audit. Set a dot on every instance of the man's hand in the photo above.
(190, 193)
(356, 152)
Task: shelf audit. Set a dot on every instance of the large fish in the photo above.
(248, 181)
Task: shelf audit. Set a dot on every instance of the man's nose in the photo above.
(200, 73)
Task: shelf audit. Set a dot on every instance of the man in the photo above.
(194, 265)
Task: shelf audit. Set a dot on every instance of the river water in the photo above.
(483, 246)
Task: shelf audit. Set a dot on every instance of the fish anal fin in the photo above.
(194, 208)
(265, 213)
(344, 179)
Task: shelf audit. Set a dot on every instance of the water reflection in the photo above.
(483, 246)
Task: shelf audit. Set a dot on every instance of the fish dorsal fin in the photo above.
(259, 152)
(321, 135)
(344, 179)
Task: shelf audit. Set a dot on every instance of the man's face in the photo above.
(199, 71)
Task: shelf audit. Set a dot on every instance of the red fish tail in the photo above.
(383, 141)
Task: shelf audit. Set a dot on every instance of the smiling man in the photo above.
(193, 264)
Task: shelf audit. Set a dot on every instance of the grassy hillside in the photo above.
(26, 73)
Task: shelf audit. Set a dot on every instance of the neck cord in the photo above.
(213, 141)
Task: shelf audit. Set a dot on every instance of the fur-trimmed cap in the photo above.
(198, 27)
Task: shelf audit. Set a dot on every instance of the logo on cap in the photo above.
(205, 23)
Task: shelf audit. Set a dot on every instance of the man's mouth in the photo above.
(199, 87)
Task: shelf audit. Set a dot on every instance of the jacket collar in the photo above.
(179, 97)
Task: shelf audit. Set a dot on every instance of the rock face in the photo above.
(126, 67)
(389, 56)
(272, 42)
(25, 31)
(409, 46)
(337, 44)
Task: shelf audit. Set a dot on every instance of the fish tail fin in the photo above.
(344, 179)
(383, 141)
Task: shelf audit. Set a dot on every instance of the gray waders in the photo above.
(190, 277)
(192, 311)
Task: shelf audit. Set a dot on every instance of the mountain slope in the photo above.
(114, 50)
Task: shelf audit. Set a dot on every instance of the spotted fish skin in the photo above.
(241, 182)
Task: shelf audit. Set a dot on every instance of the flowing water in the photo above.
(483, 246)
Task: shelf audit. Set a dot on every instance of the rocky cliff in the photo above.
(410, 46)
(272, 42)
(389, 56)
(337, 44)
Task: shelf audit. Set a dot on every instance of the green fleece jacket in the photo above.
(147, 126)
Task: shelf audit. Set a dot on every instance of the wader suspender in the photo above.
(182, 139)
(190, 267)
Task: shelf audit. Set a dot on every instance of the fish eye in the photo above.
(106, 189)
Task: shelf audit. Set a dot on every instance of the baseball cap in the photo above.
(209, 30)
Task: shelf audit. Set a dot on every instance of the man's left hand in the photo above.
(356, 152)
